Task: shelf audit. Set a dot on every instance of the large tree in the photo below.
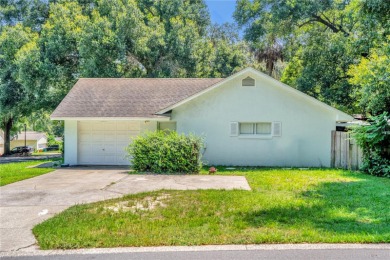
(15, 100)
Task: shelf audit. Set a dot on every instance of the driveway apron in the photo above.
(26, 203)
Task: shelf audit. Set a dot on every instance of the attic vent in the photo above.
(248, 82)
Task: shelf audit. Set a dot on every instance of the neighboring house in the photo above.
(248, 118)
(37, 140)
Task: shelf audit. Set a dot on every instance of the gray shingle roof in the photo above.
(127, 97)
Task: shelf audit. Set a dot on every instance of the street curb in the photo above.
(33, 252)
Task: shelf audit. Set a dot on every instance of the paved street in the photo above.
(11, 159)
(270, 252)
(26, 203)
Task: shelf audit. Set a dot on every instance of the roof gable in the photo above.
(243, 73)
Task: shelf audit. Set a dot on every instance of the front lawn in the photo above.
(13, 172)
(284, 206)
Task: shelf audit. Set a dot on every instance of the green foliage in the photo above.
(112, 37)
(58, 47)
(220, 54)
(374, 139)
(378, 10)
(166, 152)
(51, 140)
(40, 121)
(292, 72)
(324, 69)
(372, 75)
(173, 27)
(15, 98)
(31, 13)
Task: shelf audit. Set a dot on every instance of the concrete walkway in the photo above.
(26, 203)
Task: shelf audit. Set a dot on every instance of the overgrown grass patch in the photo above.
(284, 206)
(13, 172)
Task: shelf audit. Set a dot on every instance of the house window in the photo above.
(262, 129)
(247, 129)
(248, 82)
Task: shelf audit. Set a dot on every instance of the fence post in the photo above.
(332, 149)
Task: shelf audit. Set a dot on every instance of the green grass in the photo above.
(284, 206)
(13, 172)
(45, 153)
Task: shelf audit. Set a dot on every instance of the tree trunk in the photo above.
(7, 136)
(270, 65)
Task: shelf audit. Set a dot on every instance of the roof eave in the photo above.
(69, 118)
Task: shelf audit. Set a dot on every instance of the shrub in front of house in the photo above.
(166, 152)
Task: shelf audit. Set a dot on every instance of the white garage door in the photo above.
(104, 142)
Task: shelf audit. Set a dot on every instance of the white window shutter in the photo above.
(233, 128)
(277, 129)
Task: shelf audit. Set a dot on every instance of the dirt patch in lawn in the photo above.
(146, 204)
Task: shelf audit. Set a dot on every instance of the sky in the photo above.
(221, 11)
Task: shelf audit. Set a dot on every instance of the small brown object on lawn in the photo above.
(212, 170)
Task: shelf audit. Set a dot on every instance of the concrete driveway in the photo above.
(26, 203)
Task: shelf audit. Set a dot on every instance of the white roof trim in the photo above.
(264, 76)
(112, 118)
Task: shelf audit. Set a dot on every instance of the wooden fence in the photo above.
(346, 153)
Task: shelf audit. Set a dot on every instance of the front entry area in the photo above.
(104, 142)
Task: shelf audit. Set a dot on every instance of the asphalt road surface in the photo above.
(12, 159)
(312, 254)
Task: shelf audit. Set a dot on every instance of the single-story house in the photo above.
(36, 140)
(248, 118)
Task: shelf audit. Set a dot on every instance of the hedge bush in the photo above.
(166, 152)
(374, 139)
